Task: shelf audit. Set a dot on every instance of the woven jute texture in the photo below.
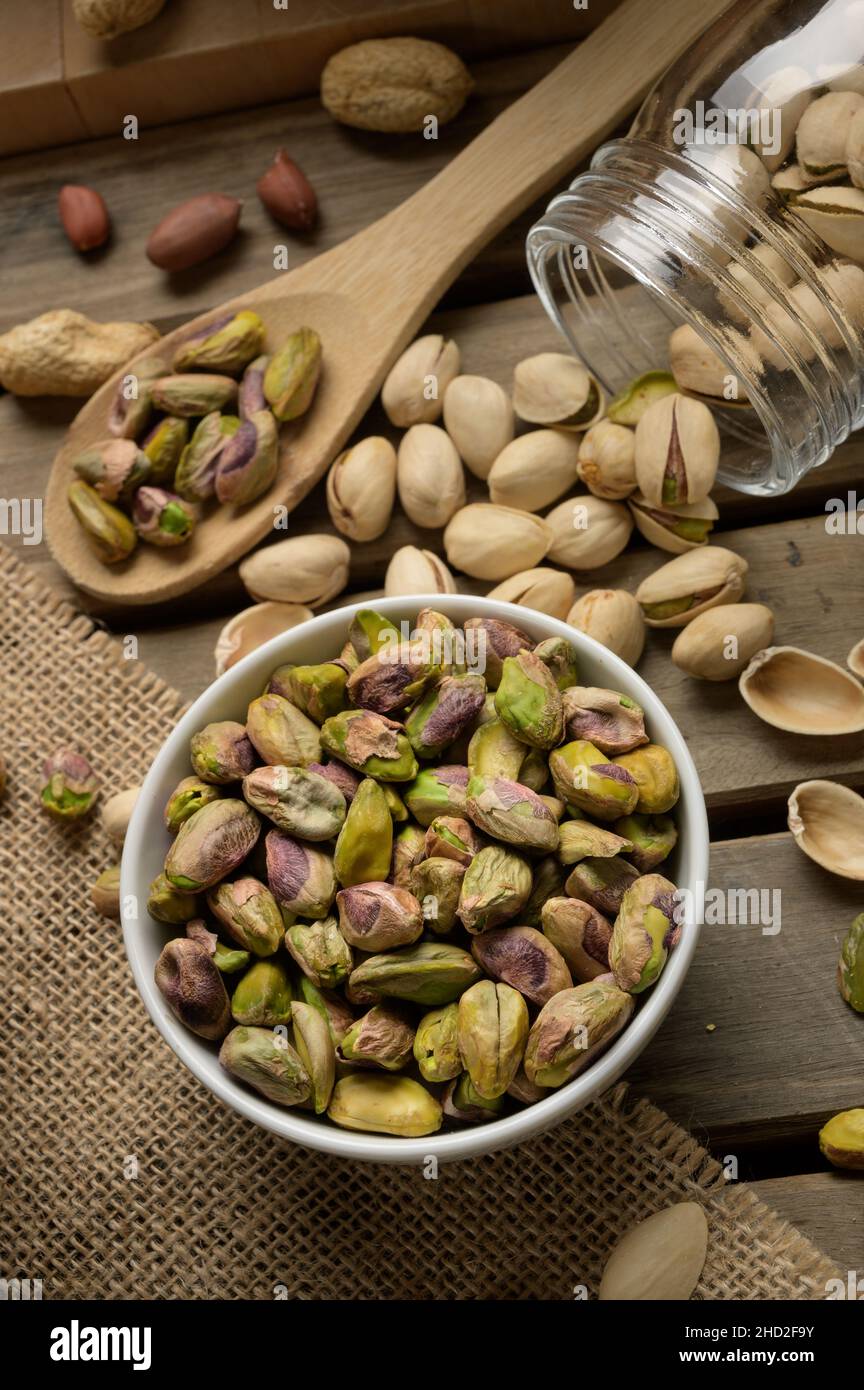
(124, 1178)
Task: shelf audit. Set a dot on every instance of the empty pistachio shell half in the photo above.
(660, 1258)
(253, 627)
(688, 585)
(612, 617)
(555, 389)
(802, 693)
(718, 644)
(855, 660)
(827, 821)
(676, 529)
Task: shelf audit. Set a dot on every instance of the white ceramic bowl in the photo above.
(147, 842)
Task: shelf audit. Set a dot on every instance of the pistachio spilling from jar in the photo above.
(389, 880)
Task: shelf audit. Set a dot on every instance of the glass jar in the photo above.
(717, 211)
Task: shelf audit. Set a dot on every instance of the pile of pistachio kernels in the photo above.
(430, 868)
(175, 442)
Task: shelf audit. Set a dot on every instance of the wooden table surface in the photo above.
(785, 1052)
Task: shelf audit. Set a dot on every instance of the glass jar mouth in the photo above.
(686, 237)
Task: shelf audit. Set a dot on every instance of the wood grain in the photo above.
(786, 1052)
(826, 1207)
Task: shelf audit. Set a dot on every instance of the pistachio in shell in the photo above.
(677, 529)
(677, 451)
(719, 644)
(553, 388)
(680, 590)
(631, 403)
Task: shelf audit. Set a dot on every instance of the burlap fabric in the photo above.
(124, 1178)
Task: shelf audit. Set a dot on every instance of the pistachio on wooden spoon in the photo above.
(827, 821)
(802, 693)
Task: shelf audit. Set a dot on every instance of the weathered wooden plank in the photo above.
(827, 1208)
(359, 176)
(786, 1052)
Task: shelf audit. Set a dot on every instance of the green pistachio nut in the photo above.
(250, 460)
(364, 848)
(431, 972)
(250, 397)
(195, 475)
(561, 658)
(488, 642)
(463, 1103)
(105, 893)
(222, 752)
(378, 916)
(391, 679)
(409, 848)
(193, 988)
(395, 805)
(248, 912)
(193, 394)
(580, 933)
(296, 800)
(510, 812)
(850, 971)
(383, 1037)
(330, 1007)
(262, 997)
(645, 932)
(653, 839)
(109, 530)
(229, 960)
(371, 744)
(445, 642)
(436, 1046)
(282, 733)
(582, 839)
(345, 778)
(301, 876)
(842, 1139)
(548, 883)
(316, 1050)
(438, 791)
(452, 837)
(444, 713)
(492, 1029)
(321, 951)
(534, 772)
(292, 374)
(163, 446)
(437, 885)
(528, 701)
(572, 1029)
(495, 752)
(525, 1091)
(525, 959)
(602, 883)
(197, 930)
(225, 344)
(70, 787)
(585, 778)
(369, 632)
(169, 904)
(496, 886)
(114, 468)
(187, 798)
(163, 518)
(653, 770)
(628, 407)
(394, 1105)
(130, 409)
(611, 721)
(319, 691)
(212, 843)
(267, 1062)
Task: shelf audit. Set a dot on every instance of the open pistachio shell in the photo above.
(802, 693)
(676, 529)
(679, 590)
(827, 821)
(254, 626)
(836, 215)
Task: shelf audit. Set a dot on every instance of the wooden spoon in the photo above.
(367, 297)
